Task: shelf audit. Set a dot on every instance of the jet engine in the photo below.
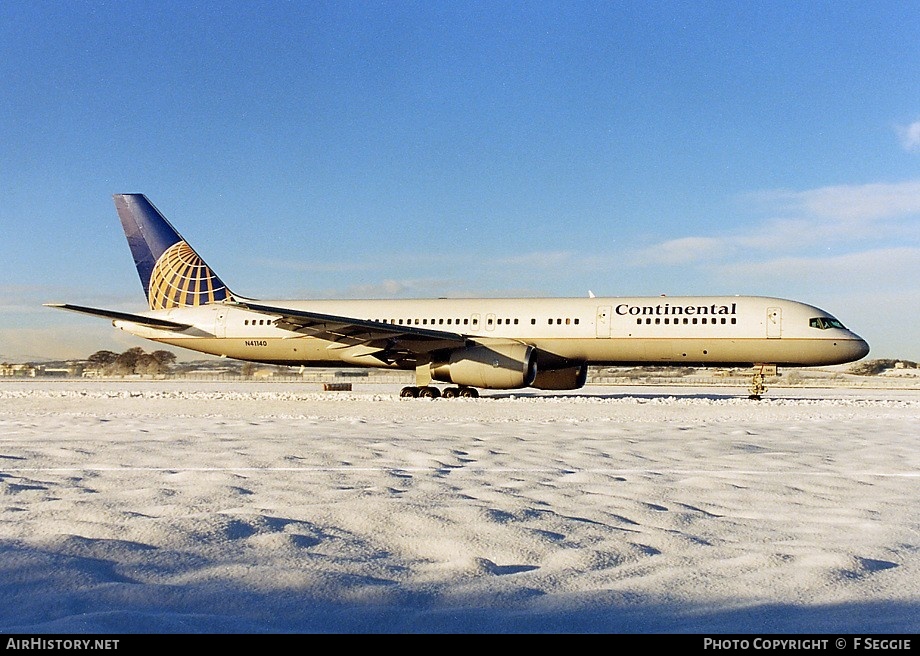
(561, 379)
(496, 366)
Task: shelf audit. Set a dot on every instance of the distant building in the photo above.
(56, 369)
(18, 370)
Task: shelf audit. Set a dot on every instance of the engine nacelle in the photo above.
(561, 379)
(496, 366)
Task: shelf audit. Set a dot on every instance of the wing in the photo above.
(161, 324)
(389, 343)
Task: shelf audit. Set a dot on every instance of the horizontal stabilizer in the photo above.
(140, 319)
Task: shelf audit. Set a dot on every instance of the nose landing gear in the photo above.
(758, 383)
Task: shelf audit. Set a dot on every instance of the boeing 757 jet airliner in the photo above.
(490, 343)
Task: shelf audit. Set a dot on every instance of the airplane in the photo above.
(469, 343)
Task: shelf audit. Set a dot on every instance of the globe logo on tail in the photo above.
(180, 278)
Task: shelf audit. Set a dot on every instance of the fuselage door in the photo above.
(602, 321)
(774, 322)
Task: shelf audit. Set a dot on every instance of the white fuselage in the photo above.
(730, 330)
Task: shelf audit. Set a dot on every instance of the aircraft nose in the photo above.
(859, 348)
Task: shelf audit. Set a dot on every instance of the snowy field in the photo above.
(246, 507)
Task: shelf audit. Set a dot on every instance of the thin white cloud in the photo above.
(864, 202)
(785, 234)
(383, 289)
(909, 136)
(812, 218)
(685, 250)
(848, 203)
(899, 266)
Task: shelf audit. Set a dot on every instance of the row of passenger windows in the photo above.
(475, 322)
(441, 322)
(568, 321)
(686, 320)
(424, 322)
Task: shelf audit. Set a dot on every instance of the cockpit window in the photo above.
(824, 323)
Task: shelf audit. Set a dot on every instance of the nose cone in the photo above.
(860, 348)
(851, 350)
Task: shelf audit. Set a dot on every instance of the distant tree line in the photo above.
(133, 361)
(875, 367)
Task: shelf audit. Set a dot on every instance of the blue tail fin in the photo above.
(172, 273)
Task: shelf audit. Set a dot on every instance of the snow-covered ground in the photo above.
(247, 507)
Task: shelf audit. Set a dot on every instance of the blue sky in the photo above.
(403, 149)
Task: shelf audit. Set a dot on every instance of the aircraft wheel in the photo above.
(451, 392)
(757, 386)
(409, 392)
(469, 392)
(429, 392)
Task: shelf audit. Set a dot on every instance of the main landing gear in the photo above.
(428, 392)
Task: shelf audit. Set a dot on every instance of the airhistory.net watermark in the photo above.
(60, 643)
